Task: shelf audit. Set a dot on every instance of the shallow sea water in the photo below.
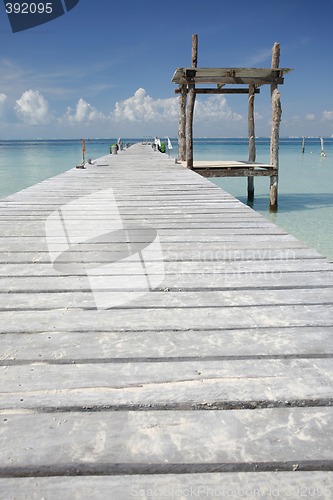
(305, 185)
(305, 180)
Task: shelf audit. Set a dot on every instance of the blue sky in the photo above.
(104, 69)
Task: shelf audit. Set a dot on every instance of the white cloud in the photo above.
(215, 108)
(310, 117)
(138, 110)
(3, 101)
(327, 115)
(33, 108)
(143, 108)
(84, 113)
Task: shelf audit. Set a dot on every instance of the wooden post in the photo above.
(190, 106)
(275, 134)
(252, 142)
(182, 123)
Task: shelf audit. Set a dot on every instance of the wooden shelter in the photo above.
(231, 81)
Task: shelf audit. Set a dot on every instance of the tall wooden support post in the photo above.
(190, 106)
(182, 123)
(252, 142)
(275, 134)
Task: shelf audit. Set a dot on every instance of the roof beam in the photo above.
(221, 91)
(221, 76)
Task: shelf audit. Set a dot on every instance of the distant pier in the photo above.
(157, 335)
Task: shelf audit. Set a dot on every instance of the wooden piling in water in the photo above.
(275, 133)
(182, 123)
(252, 142)
(190, 106)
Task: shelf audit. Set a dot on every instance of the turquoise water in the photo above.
(24, 163)
(305, 186)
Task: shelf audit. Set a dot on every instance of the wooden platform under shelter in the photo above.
(231, 168)
(159, 339)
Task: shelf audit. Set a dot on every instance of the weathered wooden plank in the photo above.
(258, 76)
(37, 228)
(206, 213)
(201, 251)
(229, 218)
(146, 201)
(232, 172)
(180, 253)
(316, 485)
(98, 441)
(221, 91)
(143, 203)
(79, 266)
(189, 282)
(165, 319)
(190, 208)
(154, 345)
(258, 72)
(167, 384)
(230, 164)
(200, 299)
(257, 237)
(231, 80)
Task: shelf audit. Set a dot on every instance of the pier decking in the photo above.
(182, 348)
(231, 168)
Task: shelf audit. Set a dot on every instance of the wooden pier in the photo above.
(213, 382)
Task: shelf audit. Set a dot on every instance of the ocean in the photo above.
(305, 181)
(305, 206)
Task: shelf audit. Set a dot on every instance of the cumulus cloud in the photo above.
(310, 117)
(83, 113)
(33, 108)
(215, 108)
(138, 109)
(327, 115)
(141, 107)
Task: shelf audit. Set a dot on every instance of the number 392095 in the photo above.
(29, 8)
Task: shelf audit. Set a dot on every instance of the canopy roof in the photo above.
(223, 76)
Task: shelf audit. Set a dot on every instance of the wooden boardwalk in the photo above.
(159, 340)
